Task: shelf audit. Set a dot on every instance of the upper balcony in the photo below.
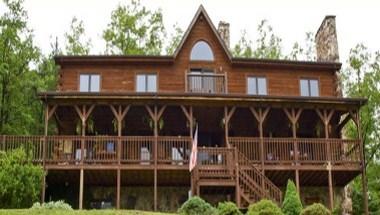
(206, 83)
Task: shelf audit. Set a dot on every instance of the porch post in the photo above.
(260, 116)
(293, 117)
(119, 114)
(48, 114)
(83, 113)
(326, 117)
(227, 116)
(356, 118)
(189, 117)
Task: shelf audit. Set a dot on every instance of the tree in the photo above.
(292, 203)
(361, 79)
(315, 209)
(244, 46)
(76, 44)
(267, 46)
(135, 30)
(264, 207)
(304, 51)
(175, 39)
(17, 54)
(20, 180)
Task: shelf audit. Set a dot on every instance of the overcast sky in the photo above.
(357, 21)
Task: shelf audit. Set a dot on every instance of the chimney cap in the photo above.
(327, 17)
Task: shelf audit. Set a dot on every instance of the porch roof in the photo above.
(200, 99)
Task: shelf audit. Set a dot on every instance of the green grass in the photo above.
(77, 212)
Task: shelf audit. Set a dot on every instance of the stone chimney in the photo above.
(224, 32)
(326, 41)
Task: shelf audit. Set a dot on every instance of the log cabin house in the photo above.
(119, 129)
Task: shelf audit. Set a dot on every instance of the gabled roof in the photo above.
(201, 11)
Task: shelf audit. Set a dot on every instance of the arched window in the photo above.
(201, 51)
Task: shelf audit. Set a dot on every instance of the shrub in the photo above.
(20, 180)
(228, 208)
(264, 207)
(315, 209)
(58, 205)
(196, 205)
(292, 203)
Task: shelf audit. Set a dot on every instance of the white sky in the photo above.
(357, 21)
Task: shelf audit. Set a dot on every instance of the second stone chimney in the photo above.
(326, 41)
(224, 32)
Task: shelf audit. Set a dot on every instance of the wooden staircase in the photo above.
(228, 167)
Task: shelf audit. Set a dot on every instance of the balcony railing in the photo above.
(309, 150)
(206, 83)
(175, 150)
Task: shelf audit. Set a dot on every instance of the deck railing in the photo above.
(175, 150)
(310, 150)
(206, 83)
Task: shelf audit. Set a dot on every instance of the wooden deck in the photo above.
(173, 151)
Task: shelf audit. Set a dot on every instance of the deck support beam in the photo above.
(355, 115)
(81, 178)
(118, 188)
(293, 116)
(326, 115)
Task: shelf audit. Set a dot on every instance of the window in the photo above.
(309, 87)
(201, 51)
(146, 83)
(257, 86)
(89, 83)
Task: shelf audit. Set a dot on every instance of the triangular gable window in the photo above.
(201, 51)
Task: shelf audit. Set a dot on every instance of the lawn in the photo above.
(77, 212)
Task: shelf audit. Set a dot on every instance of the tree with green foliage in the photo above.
(17, 79)
(292, 203)
(20, 180)
(196, 205)
(264, 207)
(228, 208)
(174, 40)
(267, 45)
(361, 79)
(304, 51)
(76, 43)
(135, 30)
(315, 209)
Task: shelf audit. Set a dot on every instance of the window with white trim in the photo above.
(256, 86)
(146, 83)
(89, 83)
(309, 87)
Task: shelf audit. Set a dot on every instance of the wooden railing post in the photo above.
(237, 185)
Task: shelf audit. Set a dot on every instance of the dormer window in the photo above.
(201, 51)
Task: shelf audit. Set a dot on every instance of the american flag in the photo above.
(194, 151)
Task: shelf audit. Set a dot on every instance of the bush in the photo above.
(20, 180)
(58, 205)
(292, 203)
(264, 207)
(315, 209)
(196, 205)
(228, 208)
